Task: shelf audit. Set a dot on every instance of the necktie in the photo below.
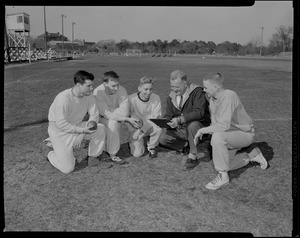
(180, 102)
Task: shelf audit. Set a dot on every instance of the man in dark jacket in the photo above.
(187, 108)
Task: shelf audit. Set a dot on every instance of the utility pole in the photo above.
(46, 51)
(73, 23)
(261, 42)
(6, 41)
(62, 26)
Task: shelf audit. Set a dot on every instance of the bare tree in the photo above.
(253, 45)
(282, 38)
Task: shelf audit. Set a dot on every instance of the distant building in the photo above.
(89, 43)
(53, 37)
(54, 41)
(67, 44)
(18, 22)
(18, 29)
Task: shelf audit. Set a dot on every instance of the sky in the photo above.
(144, 23)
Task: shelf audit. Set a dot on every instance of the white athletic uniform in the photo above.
(65, 124)
(145, 111)
(113, 110)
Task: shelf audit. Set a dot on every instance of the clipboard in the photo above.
(161, 122)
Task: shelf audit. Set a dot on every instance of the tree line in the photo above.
(281, 41)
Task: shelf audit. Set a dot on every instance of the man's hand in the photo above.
(198, 137)
(174, 123)
(134, 122)
(78, 140)
(87, 130)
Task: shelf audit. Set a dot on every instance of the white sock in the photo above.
(192, 156)
(224, 174)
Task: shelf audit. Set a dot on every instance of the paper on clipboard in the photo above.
(161, 122)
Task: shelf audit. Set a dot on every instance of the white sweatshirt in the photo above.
(114, 106)
(67, 111)
(145, 110)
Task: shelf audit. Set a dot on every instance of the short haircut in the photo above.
(81, 76)
(110, 75)
(145, 80)
(178, 74)
(215, 78)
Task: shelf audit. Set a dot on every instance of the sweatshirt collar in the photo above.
(219, 95)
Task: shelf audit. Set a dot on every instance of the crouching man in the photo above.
(66, 126)
(231, 129)
(144, 105)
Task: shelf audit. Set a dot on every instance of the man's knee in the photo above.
(101, 131)
(137, 152)
(163, 138)
(100, 127)
(113, 125)
(158, 131)
(218, 138)
(194, 126)
(68, 169)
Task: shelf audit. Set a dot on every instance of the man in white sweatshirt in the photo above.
(66, 126)
(144, 105)
(112, 103)
(231, 129)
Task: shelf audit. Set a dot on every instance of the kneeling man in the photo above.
(66, 126)
(231, 129)
(144, 105)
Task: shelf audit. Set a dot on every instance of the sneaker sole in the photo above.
(215, 188)
(123, 162)
(264, 164)
(190, 168)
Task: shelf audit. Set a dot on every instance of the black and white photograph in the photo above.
(141, 119)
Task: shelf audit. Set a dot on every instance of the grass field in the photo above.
(148, 195)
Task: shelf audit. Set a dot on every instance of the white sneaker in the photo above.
(259, 158)
(218, 182)
(115, 158)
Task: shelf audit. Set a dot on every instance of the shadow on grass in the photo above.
(105, 161)
(266, 150)
(124, 151)
(81, 165)
(41, 121)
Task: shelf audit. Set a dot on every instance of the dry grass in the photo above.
(147, 194)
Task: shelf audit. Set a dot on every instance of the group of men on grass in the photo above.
(201, 119)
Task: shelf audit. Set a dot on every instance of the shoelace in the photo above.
(217, 179)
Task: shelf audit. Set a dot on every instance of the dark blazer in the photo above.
(195, 106)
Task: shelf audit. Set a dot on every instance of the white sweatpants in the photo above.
(137, 147)
(113, 141)
(224, 148)
(62, 156)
